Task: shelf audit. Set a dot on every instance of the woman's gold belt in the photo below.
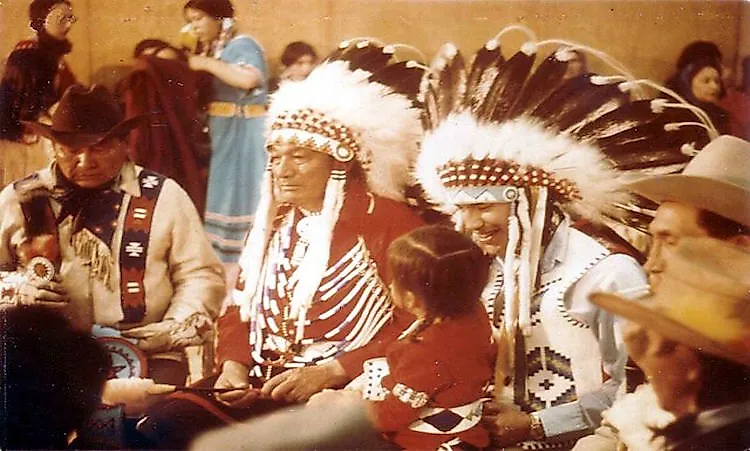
(229, 109)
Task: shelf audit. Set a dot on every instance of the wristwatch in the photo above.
(536, 430)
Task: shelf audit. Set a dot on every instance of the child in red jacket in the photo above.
(430, 387)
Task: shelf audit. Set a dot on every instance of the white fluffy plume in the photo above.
(387, 126)
(525, 142)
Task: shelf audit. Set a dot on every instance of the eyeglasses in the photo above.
(61, 17)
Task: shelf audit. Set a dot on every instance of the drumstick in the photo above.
(159, 389)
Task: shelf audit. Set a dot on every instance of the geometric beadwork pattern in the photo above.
(134, 247)
(550, 379)
(444, 421)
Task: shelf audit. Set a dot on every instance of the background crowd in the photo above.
(461, 252)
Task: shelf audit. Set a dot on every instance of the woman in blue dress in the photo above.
(236, 114)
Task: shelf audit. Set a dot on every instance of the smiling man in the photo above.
(514, 164)
(561, 359)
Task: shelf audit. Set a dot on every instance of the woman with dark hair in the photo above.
(35, 77)
(695, 51)
(700, 83)
(36, 74)
(236, 115)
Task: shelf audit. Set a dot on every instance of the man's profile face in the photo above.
(487, 225)
(673, 221)
(300, 175)
(92, 166)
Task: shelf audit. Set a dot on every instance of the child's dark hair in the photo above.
(296, 50)
(444, 268)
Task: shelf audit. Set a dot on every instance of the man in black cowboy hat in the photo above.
(107, 242)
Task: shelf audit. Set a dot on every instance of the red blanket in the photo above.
(173, 142)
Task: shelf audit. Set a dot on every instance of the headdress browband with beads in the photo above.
(488, 180)
(316, 131)
(497, 123)
(358, 105)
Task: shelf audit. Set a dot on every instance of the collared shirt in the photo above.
(182, 276)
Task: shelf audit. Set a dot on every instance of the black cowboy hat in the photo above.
(85, 117)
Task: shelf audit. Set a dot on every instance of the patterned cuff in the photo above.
(409, 396)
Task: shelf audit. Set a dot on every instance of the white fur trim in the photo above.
(525, 142)
(387, 126)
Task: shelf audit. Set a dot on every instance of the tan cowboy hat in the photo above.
(85, 117)
(717, 180)
(703, 300)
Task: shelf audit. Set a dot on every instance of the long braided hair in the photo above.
(443, 268)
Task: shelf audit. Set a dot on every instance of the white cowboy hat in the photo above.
(717, 180)
(703, 300)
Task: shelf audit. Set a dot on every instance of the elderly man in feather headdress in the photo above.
(312, 300)
(514, 154)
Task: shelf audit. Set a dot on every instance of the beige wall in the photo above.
(647, 36)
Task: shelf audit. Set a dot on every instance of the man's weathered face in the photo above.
(299, 175)
(672, 222)
(487, 225)
(92, 166)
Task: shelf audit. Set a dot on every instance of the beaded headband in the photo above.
(489, 180)
(315, 131)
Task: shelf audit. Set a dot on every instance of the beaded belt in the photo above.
(229, 109)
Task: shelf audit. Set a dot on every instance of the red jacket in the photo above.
(386, 221)
(452, 364)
